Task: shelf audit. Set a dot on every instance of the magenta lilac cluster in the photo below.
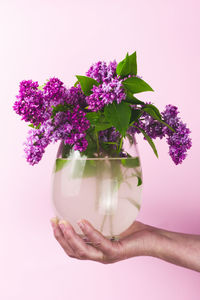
(35, 106)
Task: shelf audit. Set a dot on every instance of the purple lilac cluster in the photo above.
(110, 88)
(68, 126)
(74, 96)
(35, 145)
(109, 135)
(54, 92)
(179, 141)
(102, 72)
(35, 106)
(106, 93)
(30, 104)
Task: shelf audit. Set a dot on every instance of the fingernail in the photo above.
(63, 223)
(54, 221)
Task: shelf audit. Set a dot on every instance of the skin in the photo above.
(138, 240)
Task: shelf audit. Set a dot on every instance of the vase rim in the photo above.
(99, 158)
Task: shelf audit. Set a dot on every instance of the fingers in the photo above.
(59, 236)
(101, 249)
(80, 249)
(96, 238)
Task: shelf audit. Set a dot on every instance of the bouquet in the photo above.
(96, 114)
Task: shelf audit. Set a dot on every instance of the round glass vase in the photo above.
(102, 189)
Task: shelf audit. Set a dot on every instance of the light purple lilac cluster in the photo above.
(179, 141)
(106, 93)
(102, 72)
(110, 88)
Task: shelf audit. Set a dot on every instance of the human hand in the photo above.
(135, 241)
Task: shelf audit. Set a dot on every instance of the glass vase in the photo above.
(105, 189)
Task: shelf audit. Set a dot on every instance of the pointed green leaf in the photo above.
(131, 99)
(118, 115)
(136, 85)
(123, 67)
(155, 109)
(154, 115)
(135, 115)
(127, 66)
(133, 63)
(102, 126)
(149, 140)
(75, 84)
(87, 84)
(139, 181)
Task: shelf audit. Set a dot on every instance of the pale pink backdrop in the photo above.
(40, 39)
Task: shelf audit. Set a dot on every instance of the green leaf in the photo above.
(136, 85)
(118, 115)
(87, 84)
(57, 108)
(139, 181)
(75, 84)
(93, 117)
(149, 140)
(127, 66)
(123, 67)
(131, 99)
(36, 127)
(98, 120)
(133, 63)
(155, 109)
(131, 162)
(102, 126)
(135, 115)
(60, 164)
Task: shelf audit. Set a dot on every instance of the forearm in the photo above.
(177, 248)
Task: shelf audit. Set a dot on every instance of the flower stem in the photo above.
(120, 145)
(97, 136)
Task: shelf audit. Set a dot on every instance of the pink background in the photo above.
(40, 39)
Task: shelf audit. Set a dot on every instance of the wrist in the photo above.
(155, 242)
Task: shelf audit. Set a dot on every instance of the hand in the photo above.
(134, 241)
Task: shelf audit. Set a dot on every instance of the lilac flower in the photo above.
(74, 96)
(101, 72)
(35, 145)
(69, 126)
(109, 135)
(106, 93)
(179, 142)
(54, 92)
(30, 104)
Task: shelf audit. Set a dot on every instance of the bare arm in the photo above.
(138, 240)
(178, 248)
